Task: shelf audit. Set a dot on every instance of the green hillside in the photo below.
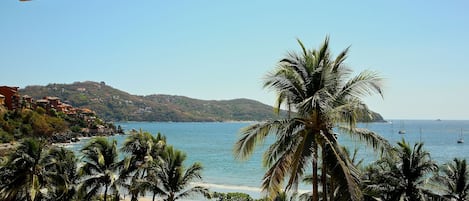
(113, 104)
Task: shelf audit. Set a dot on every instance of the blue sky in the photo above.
(218, 50)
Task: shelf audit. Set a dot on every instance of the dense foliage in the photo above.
(17, 124)
(401, 175)
(50, 125)
(33, 172)
(38, 171)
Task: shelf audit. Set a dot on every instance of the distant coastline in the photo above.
(115, 105)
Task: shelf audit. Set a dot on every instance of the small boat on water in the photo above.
(461, 139)
(401, 130)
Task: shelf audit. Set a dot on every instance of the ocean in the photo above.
(212, 145)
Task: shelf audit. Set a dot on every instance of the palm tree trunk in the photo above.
(154, 195)
(324, 173)
(332, 187)
(31, 185)
(143, 174)
(315, 173)
(171, 197)
(105, 193)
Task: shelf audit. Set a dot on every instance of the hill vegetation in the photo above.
(113, 104)
(50, 125)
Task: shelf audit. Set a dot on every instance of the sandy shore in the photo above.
(150, 199)
(140, 199)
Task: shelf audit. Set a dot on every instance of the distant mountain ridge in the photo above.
(113, 104)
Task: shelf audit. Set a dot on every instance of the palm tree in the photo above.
(151, 182)
(143, 149)
(22, 177)
(175, 179)
(61, 166)
(402, 176)
(333, 191)
(100, 168)
(454, 180)
(318, 89)
(135, 187)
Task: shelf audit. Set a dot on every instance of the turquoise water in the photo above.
(212, 144)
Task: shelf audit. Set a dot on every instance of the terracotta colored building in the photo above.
(2, 99)
(12, 98)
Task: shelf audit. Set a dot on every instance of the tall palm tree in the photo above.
(23, 176)
(454, 180)
(175, 179)
(402, 176)
(61, 166)
(100, 168)
(318, 88)
(143, 149)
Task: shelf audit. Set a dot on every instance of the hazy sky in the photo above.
(222, 49)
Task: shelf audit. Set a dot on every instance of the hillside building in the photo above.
(27, 102)
(12, 98)
(2, 99)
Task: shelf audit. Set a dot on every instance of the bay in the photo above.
(212, 145)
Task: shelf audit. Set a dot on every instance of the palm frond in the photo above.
(365, 83)
(286, 81)
(194, 190)
(272, 182)
(252, 136)
(287, 137)
(303, 153)
(192, 173)
(373, 139)
(342, 170)
(339, 60)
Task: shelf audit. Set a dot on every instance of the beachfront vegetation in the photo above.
(232, 196)
(100, 169)
(453, 180)
(34, 172)
(38, 171)
(323, 95)
(144, 150)
(402, 175)
(175, 179)
(22, 175)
